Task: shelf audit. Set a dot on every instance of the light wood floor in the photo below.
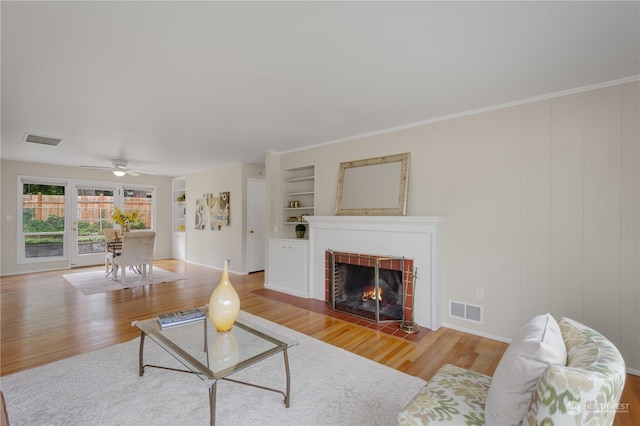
(45, 319)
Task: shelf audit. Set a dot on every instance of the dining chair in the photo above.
(137, 251)
(112, 238)
(111, 234)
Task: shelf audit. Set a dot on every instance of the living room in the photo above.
(539, 194)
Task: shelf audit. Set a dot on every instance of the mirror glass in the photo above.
(374, 186)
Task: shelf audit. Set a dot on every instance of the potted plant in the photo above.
(300, 230)
(125, 219)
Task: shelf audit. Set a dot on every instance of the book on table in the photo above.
(180, 318)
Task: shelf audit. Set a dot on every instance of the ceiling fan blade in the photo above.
(97, 167)
(142, 172)
(132, 173)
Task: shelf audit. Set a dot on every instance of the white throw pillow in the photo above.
(537, 345)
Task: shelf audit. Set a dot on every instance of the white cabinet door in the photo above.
(288, 266)
(179, 246)
(178, 218)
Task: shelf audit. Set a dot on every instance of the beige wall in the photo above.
(207, 247)
(542, 201)
(10, 170)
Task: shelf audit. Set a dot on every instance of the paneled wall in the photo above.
(542, 201)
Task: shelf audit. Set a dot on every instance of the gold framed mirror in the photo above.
(373, 187)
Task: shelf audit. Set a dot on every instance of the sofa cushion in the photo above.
(537, 345)
(454, 396)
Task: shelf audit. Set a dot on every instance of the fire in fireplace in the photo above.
(368, 286)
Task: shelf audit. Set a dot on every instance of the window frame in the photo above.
(70, 184)
(21, 255)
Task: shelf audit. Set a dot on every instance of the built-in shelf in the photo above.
(179, 218)
(299, 193)
(299, 179)
(298, 197)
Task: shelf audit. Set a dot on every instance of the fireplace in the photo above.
(415, 237)
(378, 288)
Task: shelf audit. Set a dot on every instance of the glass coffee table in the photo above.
(214, 356)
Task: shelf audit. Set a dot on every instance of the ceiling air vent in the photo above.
(42, 140)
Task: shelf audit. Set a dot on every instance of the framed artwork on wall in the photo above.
(213, 212)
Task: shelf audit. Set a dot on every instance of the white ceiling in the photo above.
(180, 87)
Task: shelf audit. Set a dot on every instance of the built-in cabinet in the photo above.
(179, 218)
(289, 266)
(298, 194)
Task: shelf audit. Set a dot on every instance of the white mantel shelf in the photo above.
(414, 237)
(389, 223)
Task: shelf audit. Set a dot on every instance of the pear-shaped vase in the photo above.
(224, 304)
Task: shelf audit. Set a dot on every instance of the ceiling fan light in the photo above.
(119, 173)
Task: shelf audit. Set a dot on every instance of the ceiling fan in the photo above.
(120, 169)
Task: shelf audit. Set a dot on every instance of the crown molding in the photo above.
(471, 112)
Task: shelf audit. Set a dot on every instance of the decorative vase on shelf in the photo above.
(224, 304)
(300, 230)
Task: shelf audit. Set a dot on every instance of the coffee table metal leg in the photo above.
(206, 347)
(212, 403)
(141, 355)
(287, 397)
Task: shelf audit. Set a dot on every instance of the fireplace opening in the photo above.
(357, 293)
(372, 287)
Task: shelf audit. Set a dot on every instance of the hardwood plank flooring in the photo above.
(43, 319)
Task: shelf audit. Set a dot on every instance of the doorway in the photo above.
(255, 225)
(91, 208)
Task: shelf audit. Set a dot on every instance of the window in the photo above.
(141, 200)
(43, 220)
(65, 220)
(93, 214)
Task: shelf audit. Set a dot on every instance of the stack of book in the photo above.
(180, 318)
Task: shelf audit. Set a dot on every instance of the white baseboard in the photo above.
(477, 333)
(285, 290)
(214, 267)
(633, 371)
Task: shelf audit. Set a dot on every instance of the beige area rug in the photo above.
(92, 282)
(329, 386)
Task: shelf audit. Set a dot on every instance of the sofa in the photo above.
(537, 382)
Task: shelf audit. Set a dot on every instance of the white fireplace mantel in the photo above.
(414, 237)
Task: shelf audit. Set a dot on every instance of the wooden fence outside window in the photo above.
(90, 208)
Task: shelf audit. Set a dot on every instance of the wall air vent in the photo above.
(42, 140)
(465, 311)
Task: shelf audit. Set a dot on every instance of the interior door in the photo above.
(91, 210)
(255, 225)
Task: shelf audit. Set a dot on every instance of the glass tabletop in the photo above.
(212, 355)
